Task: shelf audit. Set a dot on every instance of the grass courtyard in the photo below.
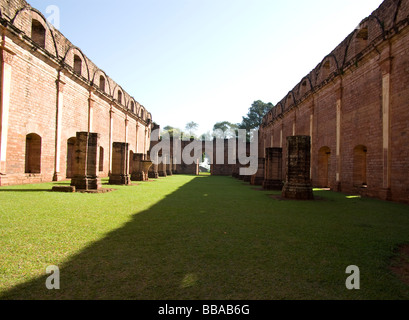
(187, 237)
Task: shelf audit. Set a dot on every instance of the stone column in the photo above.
(141, 167)
(153, 170)
(298, 180)
(258, 178)
(120, 164)
(273, 179)
(86, 162)
(126, 129)
(111, 134)
(169, 166)
(91, 105)
(6, 56)
(137, 138)
(162, 166)
(60, 104)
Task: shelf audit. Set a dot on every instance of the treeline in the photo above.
(224, 129)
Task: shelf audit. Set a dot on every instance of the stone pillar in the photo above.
(111, 135)
(137, 137)
(6, 57)
(120, 164)
(298, 180)
(153, 170)
(273, 169)
(86, 162)
(91, 106)
(258, 178)
(60, 103)
(162, 166)
(126, 129)
(141, 167)
(169, 166)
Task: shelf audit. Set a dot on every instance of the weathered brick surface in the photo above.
(352, 78)
(34, 99)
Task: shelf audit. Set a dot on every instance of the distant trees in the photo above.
(191, 127)
(252, 120)
(255, 115)
(225, 129)
(172, 131)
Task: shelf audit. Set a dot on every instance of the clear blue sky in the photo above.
(207, 60)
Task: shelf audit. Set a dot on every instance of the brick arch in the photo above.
(84, 58)
(33, 153)
(274, 112)
(399, 12)
(322, 73)
(270, 116)
(304, 90)
(287, 103)
(142, 109)
(137, 108)
(99, 72)
(40, 19)
(375, 28)
(115, 94)
(280, 109)
(129, 106)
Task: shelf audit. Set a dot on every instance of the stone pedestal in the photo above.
(258, 178)
(153, 172)
(120, 164)
(140, 168)
(169, 166)
(273, 169)
(86, 162)
(162, 168)
(298, 184)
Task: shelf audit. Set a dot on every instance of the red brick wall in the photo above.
(352, 75)
(33, 98)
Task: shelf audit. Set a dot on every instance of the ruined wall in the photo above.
(51, 90)
(355, 107)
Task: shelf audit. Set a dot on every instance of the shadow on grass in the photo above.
(162, 253)
(214, 239)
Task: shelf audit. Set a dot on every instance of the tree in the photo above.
(206, 136)
(255, 115)
(172, 131)
(191, 127)
(229, 130)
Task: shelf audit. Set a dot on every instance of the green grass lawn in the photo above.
(187, 237)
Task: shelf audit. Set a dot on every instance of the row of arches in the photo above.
(349, 53)
(42, 36)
